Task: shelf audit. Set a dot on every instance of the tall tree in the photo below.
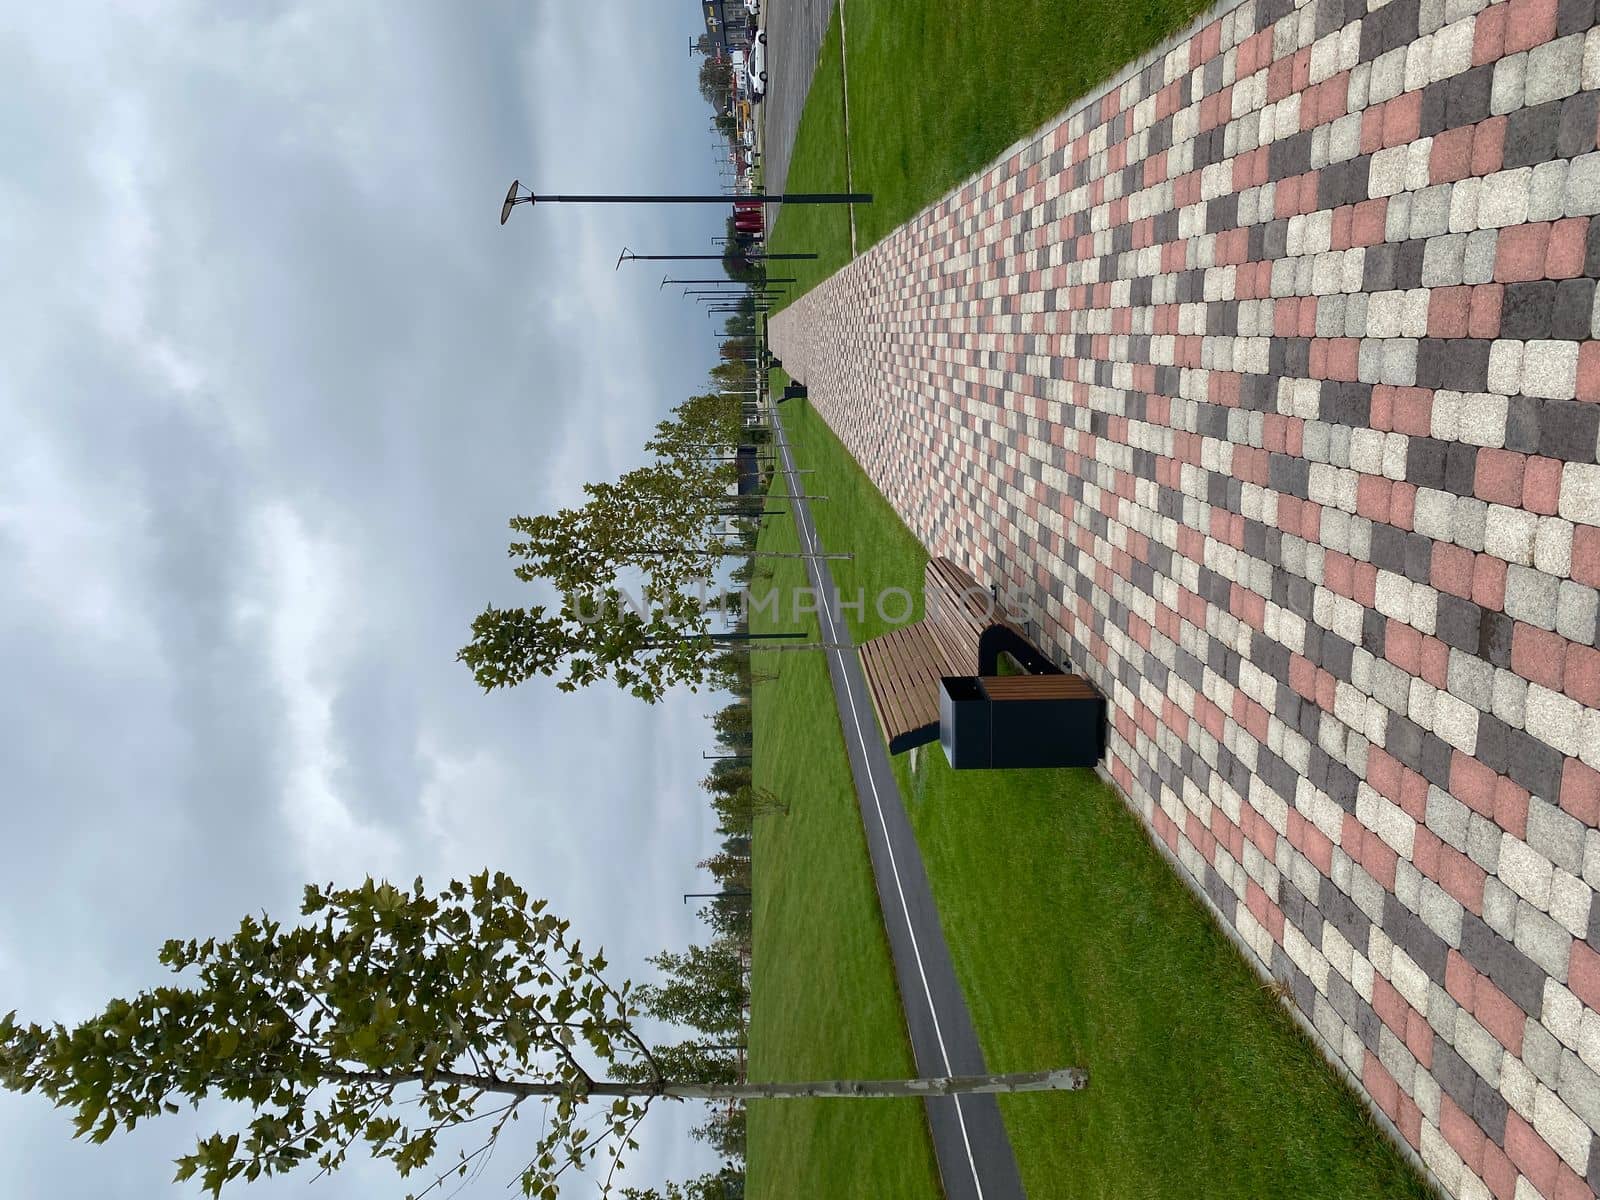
(716, 79)
(631, 567)
(389, 1017)
(704, 987)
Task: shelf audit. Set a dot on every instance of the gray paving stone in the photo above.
(1556, 835)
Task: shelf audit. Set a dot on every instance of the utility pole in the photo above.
(515, 197)
(666, 279)
(629, 256)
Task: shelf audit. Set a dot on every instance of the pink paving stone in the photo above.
(1499, 1014)
(1412, 411)
(1460, 980)
(1365, 586)
(1379, 860)
(1483, 319)
(1338, 572)
(1488, 145)
(1414, 794)
(1316, 846)
(1580, 678)
(1352, 833)
(1541, 485)
(1586, 554)
(1462, 878)
(1402, 645)
(1280, 80)
(1499, 475)
(1564, 258)
(1531, 1153)
(1589, 371)
(1380, 1085)
(1451, 569)
(1372, 497)
(1529, 23)
(1344, 358)
(1489, 582)
(1372, 129)
(1410, 1119)
(1473, 783)
(1580, 792)
(1327, 686)
(1340, 234)
(1402, 119)
(1450, 158)
(1538, 655)
(1382, 410)
(1384, 771)
(1489, 35)
(1335, 97)
(1583, 974)
(1425, 852)
(1569, 1186)
(1499, 1172)
(1462, 1132)
(1520, 253)
(1389, 1004)
(1448, 308)
(1308, 192)
(1302, 68)
(1511, 807)
(1435, 662)
(1419, 1039)
(1285, 317)
(1368, 221)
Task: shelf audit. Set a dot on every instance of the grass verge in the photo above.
(823, 999)
(1077, 945)
(938, 88)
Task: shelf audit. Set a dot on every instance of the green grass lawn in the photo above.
(938, 88)
(1074, 941)
(823, 998)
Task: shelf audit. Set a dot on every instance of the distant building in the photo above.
(727, 24)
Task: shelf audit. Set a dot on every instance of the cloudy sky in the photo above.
(274, 378)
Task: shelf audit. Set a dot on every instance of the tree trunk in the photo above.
(1066, 1079)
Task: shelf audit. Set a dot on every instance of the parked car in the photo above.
(753, 7)
(756, 69)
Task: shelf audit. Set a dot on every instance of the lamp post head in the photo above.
(512, 200)
(626, 253)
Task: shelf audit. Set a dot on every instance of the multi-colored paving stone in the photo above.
(1265, 377)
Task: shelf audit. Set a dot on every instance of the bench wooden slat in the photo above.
(1038, 687)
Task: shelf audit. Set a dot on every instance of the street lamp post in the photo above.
(629, 256)
(666, 279)
(515, 197)
(740, 892)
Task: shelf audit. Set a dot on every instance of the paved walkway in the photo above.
(1265, 377)
(969, 1140)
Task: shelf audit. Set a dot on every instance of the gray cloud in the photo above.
(275, 379)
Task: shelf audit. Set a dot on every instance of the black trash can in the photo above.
(964, 721)
(1019, 721)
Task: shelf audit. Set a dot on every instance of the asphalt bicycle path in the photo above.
(969, 1140)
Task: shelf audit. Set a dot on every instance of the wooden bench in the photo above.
(962, 632)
